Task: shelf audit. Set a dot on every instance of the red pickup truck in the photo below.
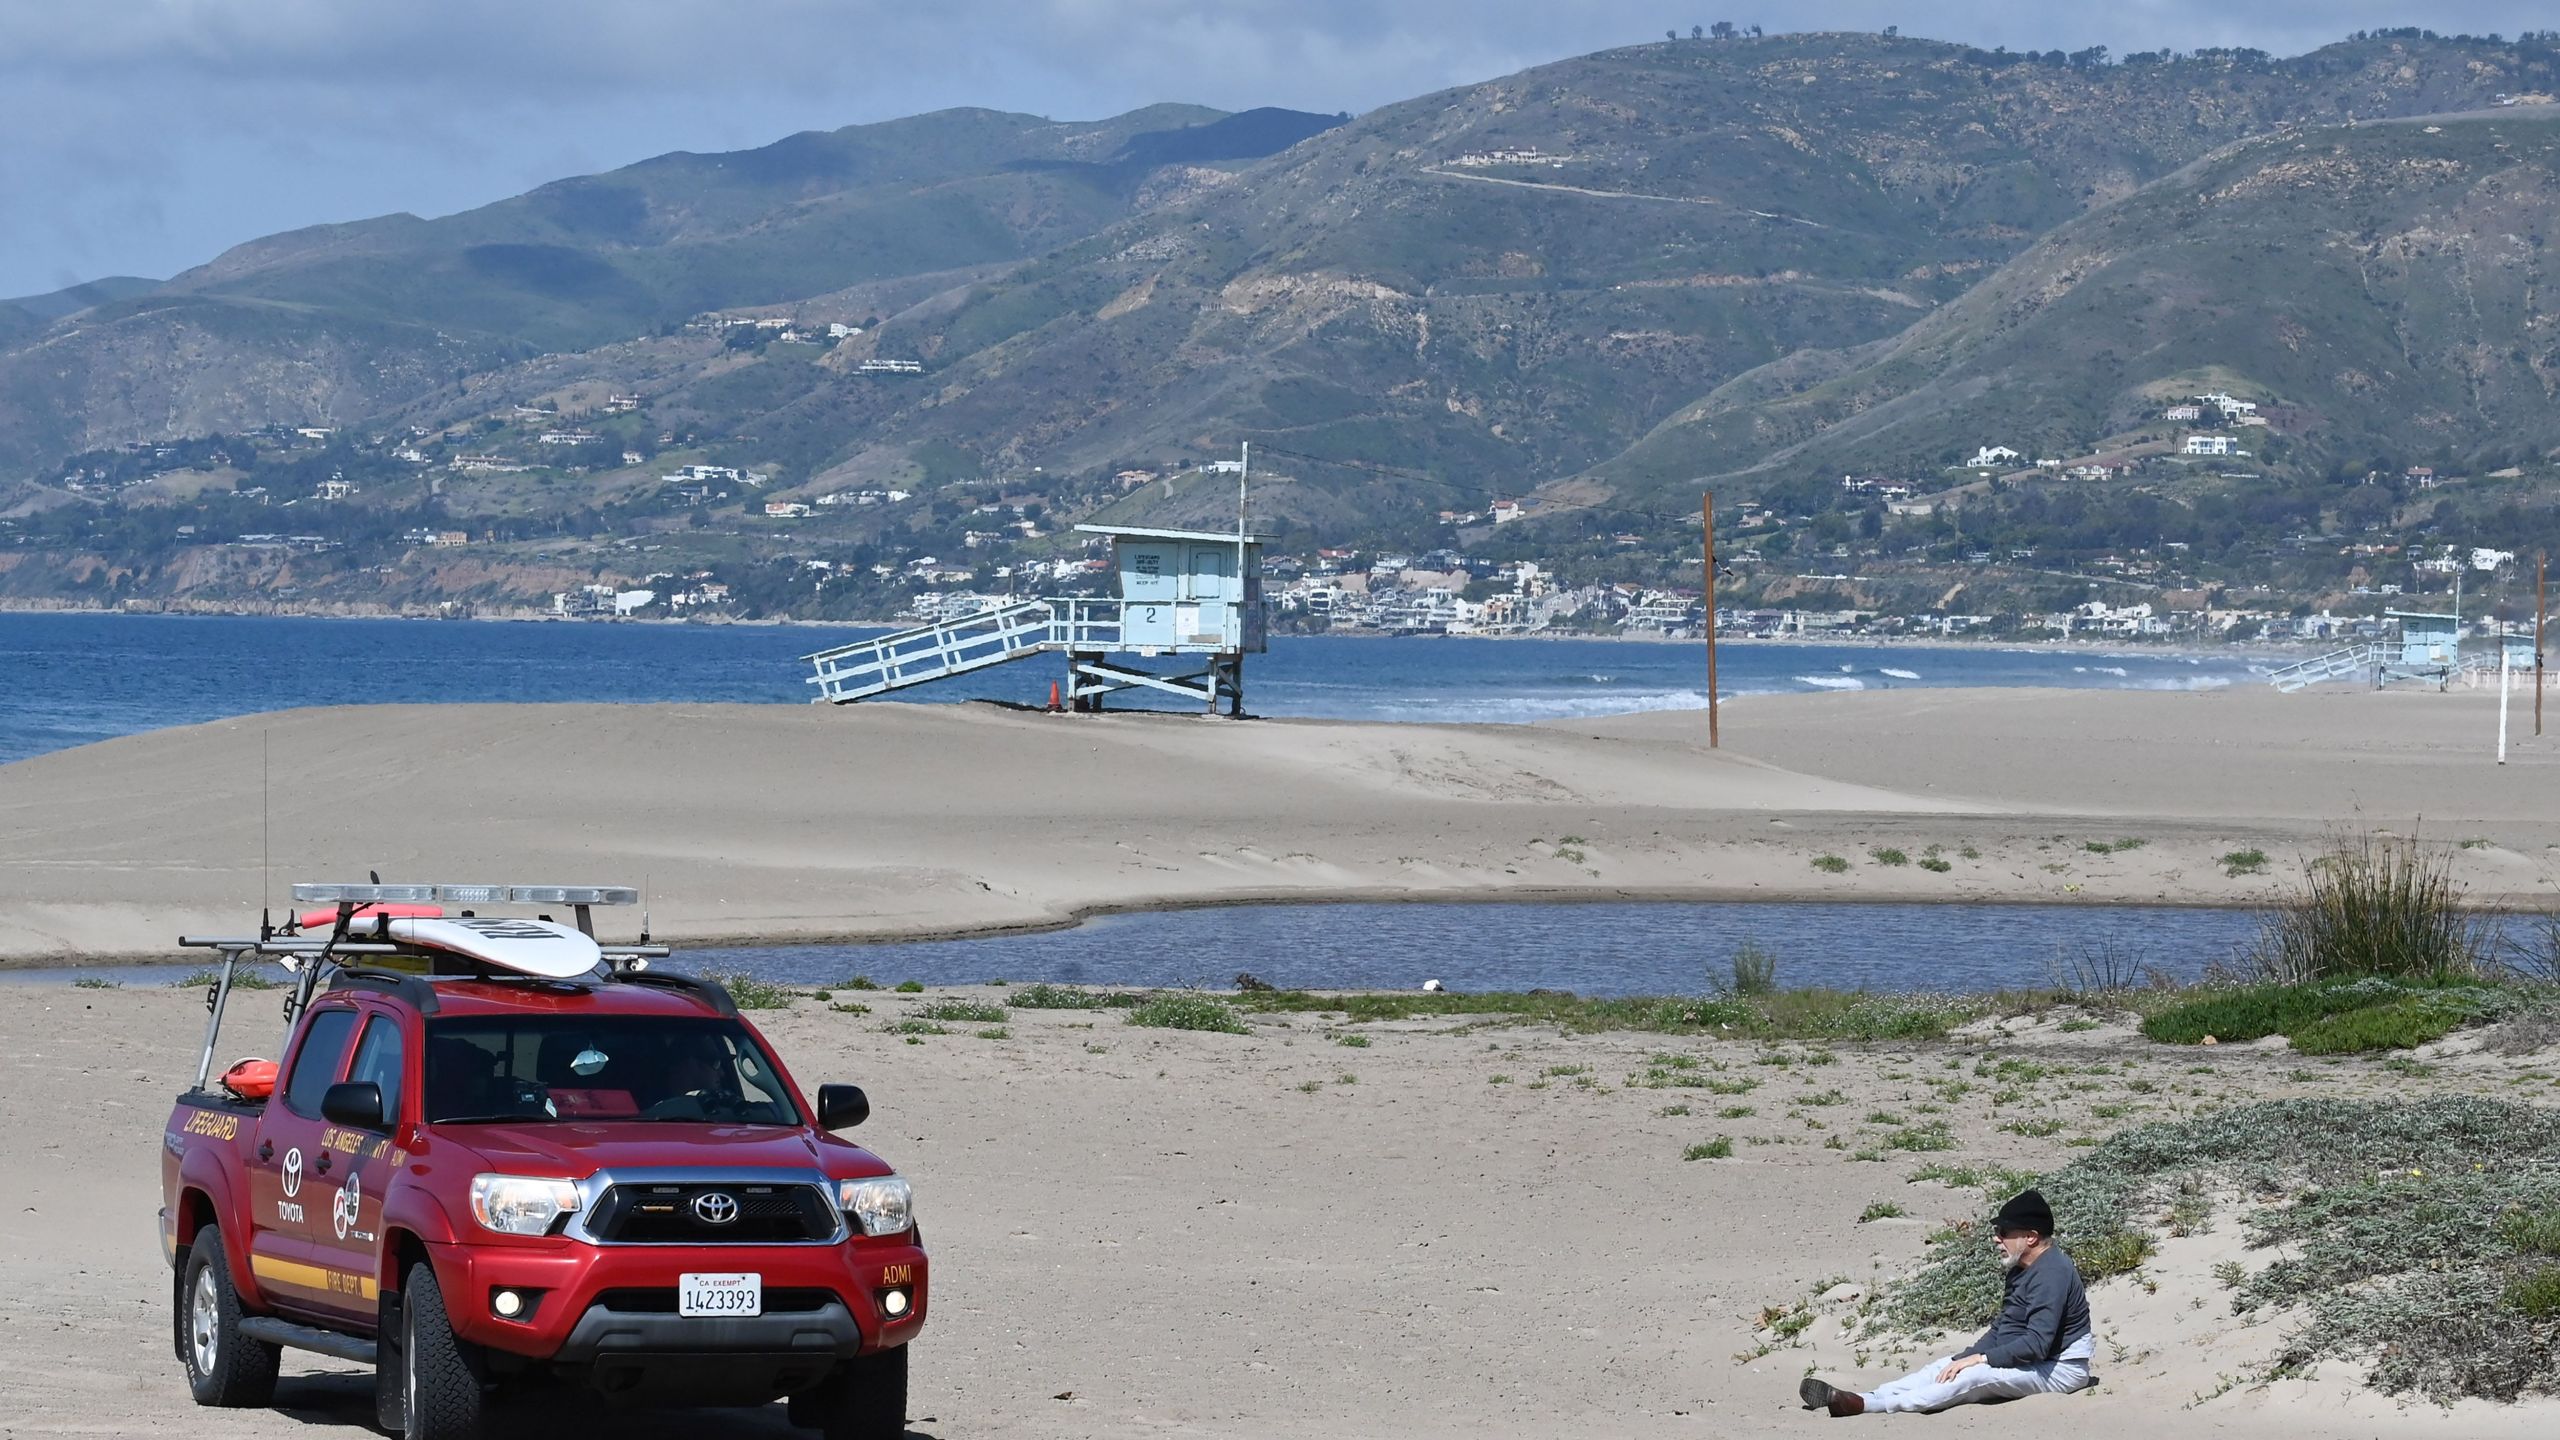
(480, 1161)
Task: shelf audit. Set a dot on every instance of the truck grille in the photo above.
(670, 1214)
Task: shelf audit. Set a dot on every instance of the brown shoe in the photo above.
(1821, 1395)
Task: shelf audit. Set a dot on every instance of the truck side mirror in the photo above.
(356, 1104)
(840, 1107)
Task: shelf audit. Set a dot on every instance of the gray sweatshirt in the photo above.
(2045, 1312)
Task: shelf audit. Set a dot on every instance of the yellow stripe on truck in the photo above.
(314, 1277)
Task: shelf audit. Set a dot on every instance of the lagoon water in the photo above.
(1591, 948)
(71, 679)
(1607, 948)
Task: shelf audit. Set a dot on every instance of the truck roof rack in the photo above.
(710, 992)
(308, 954)
(414, 989)
(380, 894)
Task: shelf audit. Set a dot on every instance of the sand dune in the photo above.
(784, 822)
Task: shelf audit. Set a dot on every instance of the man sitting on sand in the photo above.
(2039, 1345)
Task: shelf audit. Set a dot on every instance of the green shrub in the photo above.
(1921, 1138)
(1881, 1210)
(2398, 1025)
(909, 987)
(913, 1027)
(1065, 997)
(1720, 1148)
(1181, 1010)
(2374, 907)
(860, 982)
(1936, 866)
(243, 978)
(2531, 1232)
(1356, 1042)
(93, 982)
(2116, 1253)
(2536, 1294)
(1888, 855)
(749, 993)
(965, 1012)
(1830, 864)
(1754, 971)
(2252, 861)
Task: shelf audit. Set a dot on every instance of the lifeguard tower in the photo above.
(2430, 648)
(1192, 594)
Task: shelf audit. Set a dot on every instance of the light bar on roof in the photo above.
(465, 895)
(364, 894)
(575, 895)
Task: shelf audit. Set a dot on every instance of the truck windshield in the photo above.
(538, 1068)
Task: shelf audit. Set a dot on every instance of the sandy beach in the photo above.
(1152, 1233)
(782, 823)
(1142, 1232)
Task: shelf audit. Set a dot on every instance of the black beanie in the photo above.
(2027, 1211)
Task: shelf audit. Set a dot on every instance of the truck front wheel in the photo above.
(224, 1367)
(439, 1381)
(867, 1400)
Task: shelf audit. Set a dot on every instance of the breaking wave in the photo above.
(1832, 682)
(1899, 674)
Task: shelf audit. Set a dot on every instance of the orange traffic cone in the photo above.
(1053, 697)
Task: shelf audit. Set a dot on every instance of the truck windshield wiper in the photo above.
(490, 1119)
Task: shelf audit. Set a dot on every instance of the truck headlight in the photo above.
(884, 1205)
(521, 1204)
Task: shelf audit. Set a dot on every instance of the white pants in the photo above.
(1922, 1392)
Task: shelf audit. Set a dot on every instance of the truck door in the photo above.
(347, 1212)
(286, 1161)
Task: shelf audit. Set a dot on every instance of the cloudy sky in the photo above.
(144, 136)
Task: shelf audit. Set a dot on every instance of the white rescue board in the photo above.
(528, 947)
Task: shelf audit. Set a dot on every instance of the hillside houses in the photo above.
(1992, 457)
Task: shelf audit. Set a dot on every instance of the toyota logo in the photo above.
(715, 1207)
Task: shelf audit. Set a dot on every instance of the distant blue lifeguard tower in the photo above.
(1194, 594)
(2430, 649)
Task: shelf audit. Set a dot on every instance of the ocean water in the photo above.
(72, 679)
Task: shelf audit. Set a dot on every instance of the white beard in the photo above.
(2009, 1262)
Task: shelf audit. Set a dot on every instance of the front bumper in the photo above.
(589, 1302)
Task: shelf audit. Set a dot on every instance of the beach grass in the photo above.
(1187, 1010)
(748, 992)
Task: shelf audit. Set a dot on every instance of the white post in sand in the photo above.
(2506, 661)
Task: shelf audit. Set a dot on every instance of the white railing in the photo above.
(2342, 664)
(1086, 623)
(930, 652)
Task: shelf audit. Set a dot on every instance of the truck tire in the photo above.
(867, 1400)
(224, 1367)
(439, 1374)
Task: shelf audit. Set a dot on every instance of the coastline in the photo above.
(2112, 645)
(791, 824)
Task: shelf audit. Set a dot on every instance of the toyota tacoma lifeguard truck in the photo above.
(495, 1149)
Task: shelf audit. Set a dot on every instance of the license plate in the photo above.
(720, 1295)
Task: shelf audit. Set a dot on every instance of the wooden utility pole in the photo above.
(1707, 515)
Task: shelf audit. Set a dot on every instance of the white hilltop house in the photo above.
(1991, 456)
(2211, 445)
